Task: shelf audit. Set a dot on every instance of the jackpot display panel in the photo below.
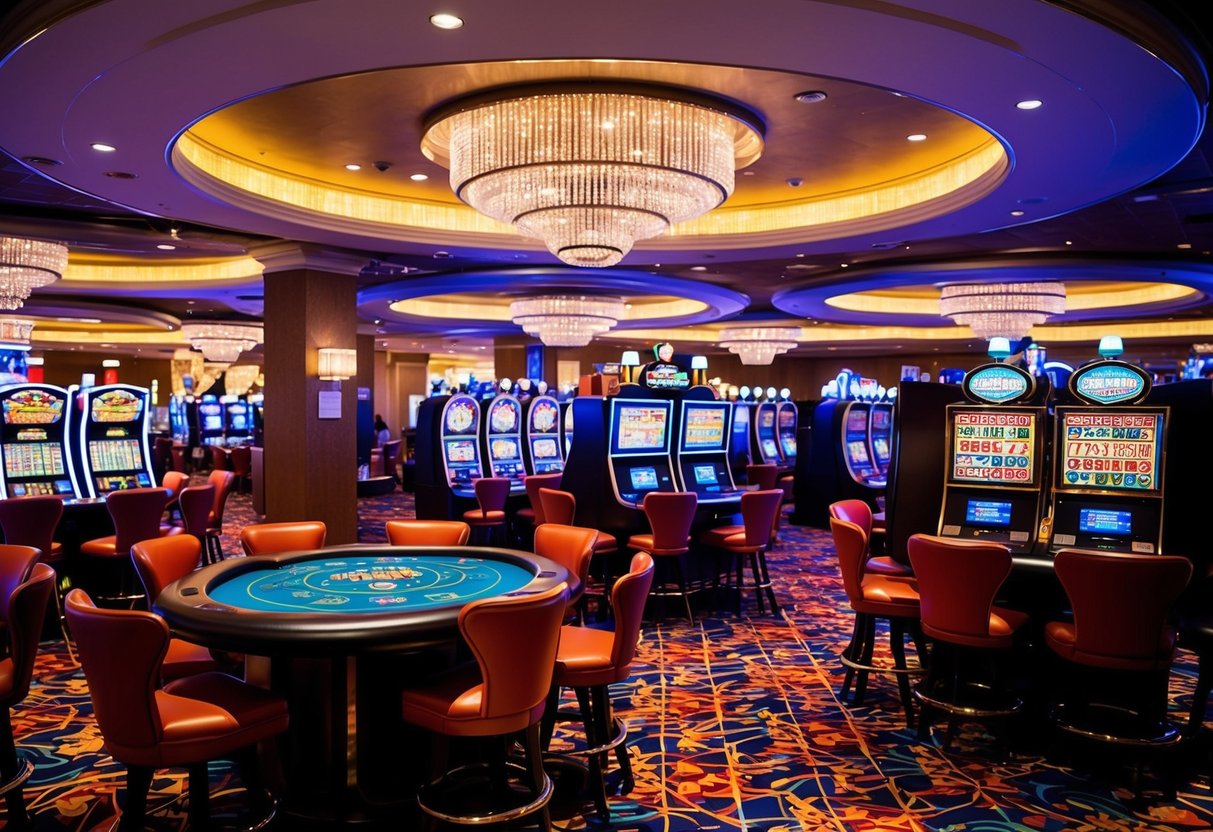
(459, 439)
(703, 451)
(545, 452)
(766, 439)
(34, 441)
(880, 437)
(113, 439)
(502, 431)
(785, 428)
(639, 449)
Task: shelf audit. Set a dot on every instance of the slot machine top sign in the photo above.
(998, 384)
(1110, 382)
(664, 374)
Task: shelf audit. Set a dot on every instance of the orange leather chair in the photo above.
(590, 660)
(860, 513)
(31, 521)
(957, 583)
(502, 694)
(560, 507)
(174, 481)
(178, 455)
(23, 602)
(749, 541)
(223, 482)
(186, 722)
(875, 597)
(162, 456)
(158, 563)
(272, 538)
(136, 514)
(489, 517)
(766, 476)
(572, 547)
(242, 467)
(670, 514)
(428, 532)
(194, 503)
(526, 518)
(1122, 637)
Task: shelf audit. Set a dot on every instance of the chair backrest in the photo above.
(163, 560)
(851, 545)
(178, 454)
(391, 455)
(24, 610)
(272, 538)
(491, 493)
(174, 481)
(162, 449)
(218, 458)
(427, 532)
(515, 681)
(558, 506)
(242, 460)
(121, 652)
(136, 514)
(628, 597)
(533, 483)
(571, 547)
(222, 480)
(762, 475)
(16, 566)
(957, 584)
(195, 503)
(854, 511)
(1120, 602)
(670, 514)
(758, 511)
(31, 521)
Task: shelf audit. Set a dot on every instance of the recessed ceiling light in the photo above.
(1017, 213)
(916, 137)
(102, 147)
(419, 177)
(352, 166)
(800, 255)
(843, 265)
(1030, 104)
(1184, 245)
(810, 96)
(45, 161)
(747, 173)
(166, 247)
(446, 21)
(699, 268)
(1069, 242)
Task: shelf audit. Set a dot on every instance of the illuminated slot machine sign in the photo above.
(114, 439)
(640, 449)
(504, 439)
(703, 458)
(787, 431)
(880, 431)
(33, 441)
(460, 443)
(764, 430)
(543, 436)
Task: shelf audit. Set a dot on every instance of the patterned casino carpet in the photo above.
(736, 725)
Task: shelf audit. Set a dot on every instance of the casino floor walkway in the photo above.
(735, 724)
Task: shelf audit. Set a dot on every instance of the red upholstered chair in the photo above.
(502, 694)
(158, 563)
(1122, 639)
(136, 514)
(560, 507)
(589, 660)
(764, 475)
(957, 583)
(219, 458)
(187, 722)
(571, 547)
(162, 456)
(526, 518)
(874, 597)
(242, 467)
(749, 541)
(428, 532)
(670, 514)
(16, 564)
(390, 456)
(194, 504)
(31, 521)
(23, 602)
(272, 538)
(178, 456)
(223, 482)
(860, 513)
(174, 481)
(489, 517)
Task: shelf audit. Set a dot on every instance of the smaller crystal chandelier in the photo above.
(221, 342)
(566, 320)
(1009, 310)
(238, 378)
(759, 344)
(26, 265)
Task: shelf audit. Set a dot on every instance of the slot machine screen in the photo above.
(544, 417)
(880, 447)
(766, 417)
(1105, 522)
(787, 417)
(545, 449)
(33, 459)
(703, 427)
(639, 428)
(1112, 451)
(858, 451)
(460, 450)
(988, 513)
(211, 414)
(503, 416)
(504, 449)
(788, 440)
(880, 418)
(461, 416)
(115, 455)
(993, 447)
(705, 475)
(643, 479)
(857, 420)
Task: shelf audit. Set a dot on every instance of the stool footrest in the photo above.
(989, 703)
(24, 771)
(426, 796)
(880, 668)
(1162, 735)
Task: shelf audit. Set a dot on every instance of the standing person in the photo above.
(382, 434)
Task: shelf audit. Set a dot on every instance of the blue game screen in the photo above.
(644, 479)
(988, 513)
(1104, 521)
(705, 475)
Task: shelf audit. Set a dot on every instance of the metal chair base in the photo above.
(428, 798)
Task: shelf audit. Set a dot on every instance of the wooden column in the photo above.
(310, 463)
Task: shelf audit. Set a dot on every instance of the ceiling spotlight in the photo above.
(102, 147)
(446, 21)
(353, 166)
(1030, 104)
(166, 247)
(1017, 213)
(810, 96)
(916, 137)
(419, 177)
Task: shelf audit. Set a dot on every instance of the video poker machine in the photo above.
(880, 437)
(856, 448)
(112, 439)
(502, 432)
(703, 451)
(639, 452)
(1109, 457)
(766, 439)
(35, 441)
(994, 486)
(785, 428)
(543, 448)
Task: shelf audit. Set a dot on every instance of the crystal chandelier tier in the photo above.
(566, 320)
(15, 332)
(26, 265)
(759, 344)
(222, 342)
(589, 169)
(1008, 310)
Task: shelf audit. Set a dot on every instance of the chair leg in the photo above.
(138, 781)
(10, 775)
(597, 732)
(766, 581)
(757, 576)
(200, 797)
(897, 645)
(1200, 698)
(538, 777)
(852, 652)
(548, 723)
(869, 645)
(680, 565)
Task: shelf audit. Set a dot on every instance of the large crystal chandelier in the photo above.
(1008, 310)
(759, 344)
(566, 320)
(222, 342)
(26, 265)
(591, 169)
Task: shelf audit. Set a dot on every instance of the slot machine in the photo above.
(544, 454)
(880, 437)
(739, 440)
(237, 420)
(855, 451)
(639, 449)
(994, 486)
(786, 421)
(502, 432)
(1109, 457)
(35, 442)
(703, 451)
(178, 422)
(113, 439)
(210, 420)
(460, 443)
(766, 442)
(566, 427)
(447, 456)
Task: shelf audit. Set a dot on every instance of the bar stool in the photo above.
(289, 536)
(860, 513)
(530, 516)
(873, 598)
(242, 467)
(749, 541)
(427, 532)
(491, 494)
(670, 514)
(219, 458)
(31, 521)
(561, 507)
(957, 583)
(174, 481)
(194, 504)
(766, 476)
(136, 514)
(222, 480)
(571, 547)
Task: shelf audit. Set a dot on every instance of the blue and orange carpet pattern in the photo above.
(735, 724)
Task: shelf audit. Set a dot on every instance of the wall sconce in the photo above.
(337, 364)
(699, 368)
(630, 359)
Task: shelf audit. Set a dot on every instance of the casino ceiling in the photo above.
(898, 152)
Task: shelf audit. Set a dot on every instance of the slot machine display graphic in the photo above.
(993, 447)
(460, 443)
(543, 436)
(504, 440)
(703, 451)
(113, 436)
(1111, 450)
(33, 441)
(786, 428)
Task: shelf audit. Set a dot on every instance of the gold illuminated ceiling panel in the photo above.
(478, 307)
(1080, 296)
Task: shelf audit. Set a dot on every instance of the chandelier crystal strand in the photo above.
(566, 320)
(1009, 310)
(26, 265)
(759, 345)
(222, 342)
